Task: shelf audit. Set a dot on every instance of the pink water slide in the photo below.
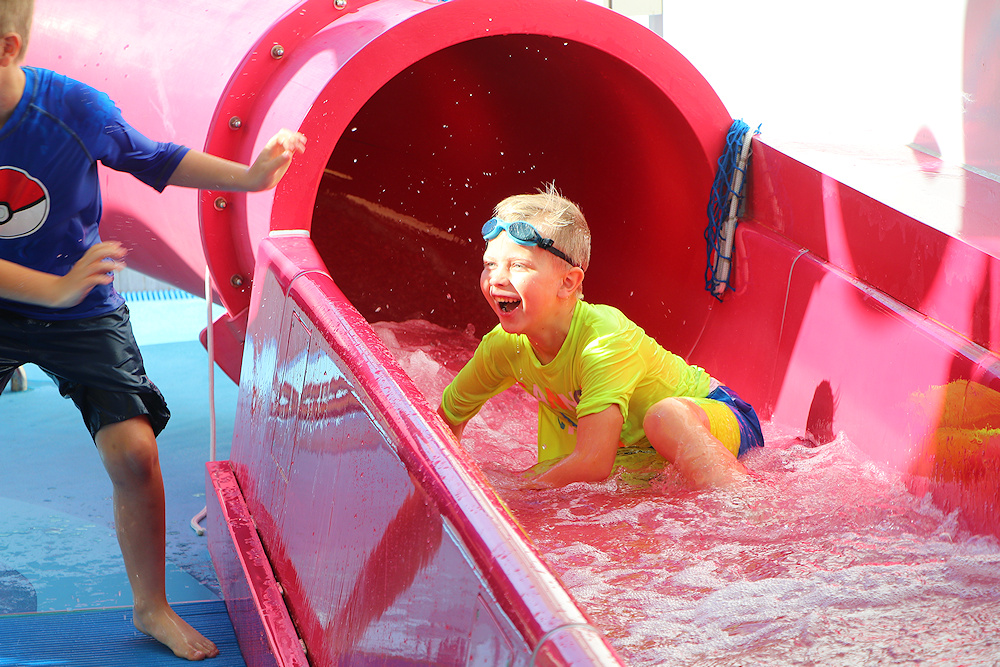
(348, 527)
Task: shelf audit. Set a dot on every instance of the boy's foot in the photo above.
(166, 627)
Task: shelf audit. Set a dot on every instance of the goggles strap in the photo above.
(494, 226)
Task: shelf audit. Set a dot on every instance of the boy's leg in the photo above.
(128, 450)
(679, 429)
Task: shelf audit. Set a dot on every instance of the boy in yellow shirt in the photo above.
(600, 381)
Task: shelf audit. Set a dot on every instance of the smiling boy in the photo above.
(600, 381)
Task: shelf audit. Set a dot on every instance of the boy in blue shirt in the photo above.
(600, 381)
(58, 308)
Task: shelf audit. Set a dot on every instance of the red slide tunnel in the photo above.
(346, 517)
(420, 115)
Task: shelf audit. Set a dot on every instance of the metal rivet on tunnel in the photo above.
(277, 51)
(220, 203)
(236, 280)
(339, 4)
(235, 123)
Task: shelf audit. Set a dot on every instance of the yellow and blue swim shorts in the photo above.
(732, 420)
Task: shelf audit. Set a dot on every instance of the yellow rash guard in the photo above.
(606, 360)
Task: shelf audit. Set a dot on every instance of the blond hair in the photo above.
(553, 216)
(15, 16)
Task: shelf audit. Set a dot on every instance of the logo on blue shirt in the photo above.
(24, 203)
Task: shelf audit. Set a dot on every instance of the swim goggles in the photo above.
(523, 234)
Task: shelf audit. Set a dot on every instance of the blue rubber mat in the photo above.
(58, 550)
(107, 638)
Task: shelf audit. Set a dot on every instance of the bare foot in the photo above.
(165, 626)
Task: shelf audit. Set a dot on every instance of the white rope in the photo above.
(210, 344)
(201, 516)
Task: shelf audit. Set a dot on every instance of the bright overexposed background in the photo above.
(854, 72)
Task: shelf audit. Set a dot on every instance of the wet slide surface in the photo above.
(825, 557)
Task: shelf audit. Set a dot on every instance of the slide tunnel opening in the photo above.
(417, 172)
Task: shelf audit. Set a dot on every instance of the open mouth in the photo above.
(508, 305)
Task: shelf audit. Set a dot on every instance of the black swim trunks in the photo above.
(94, 361)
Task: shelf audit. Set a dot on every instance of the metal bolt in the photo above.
(236, 280)
(277, 51)
(235, 123)
(220, 203)
(339, 4)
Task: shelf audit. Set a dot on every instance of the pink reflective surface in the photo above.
(893, 315)
(385, 541)
(253, 597)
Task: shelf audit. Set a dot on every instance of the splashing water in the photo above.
(824, 558)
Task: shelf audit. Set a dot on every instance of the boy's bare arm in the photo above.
(208, 172)
(597, 438)
(19, 283)
(457, 429)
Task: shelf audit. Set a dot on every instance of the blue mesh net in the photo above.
(719, 205)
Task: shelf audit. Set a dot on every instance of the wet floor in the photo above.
(58, 549)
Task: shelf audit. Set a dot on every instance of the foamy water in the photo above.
(824, 558)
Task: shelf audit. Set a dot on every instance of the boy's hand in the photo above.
(20, 283)
(274, 159)
(457, 429)
(93, 269)
(531, 476)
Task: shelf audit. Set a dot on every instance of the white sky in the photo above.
(856, 72)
